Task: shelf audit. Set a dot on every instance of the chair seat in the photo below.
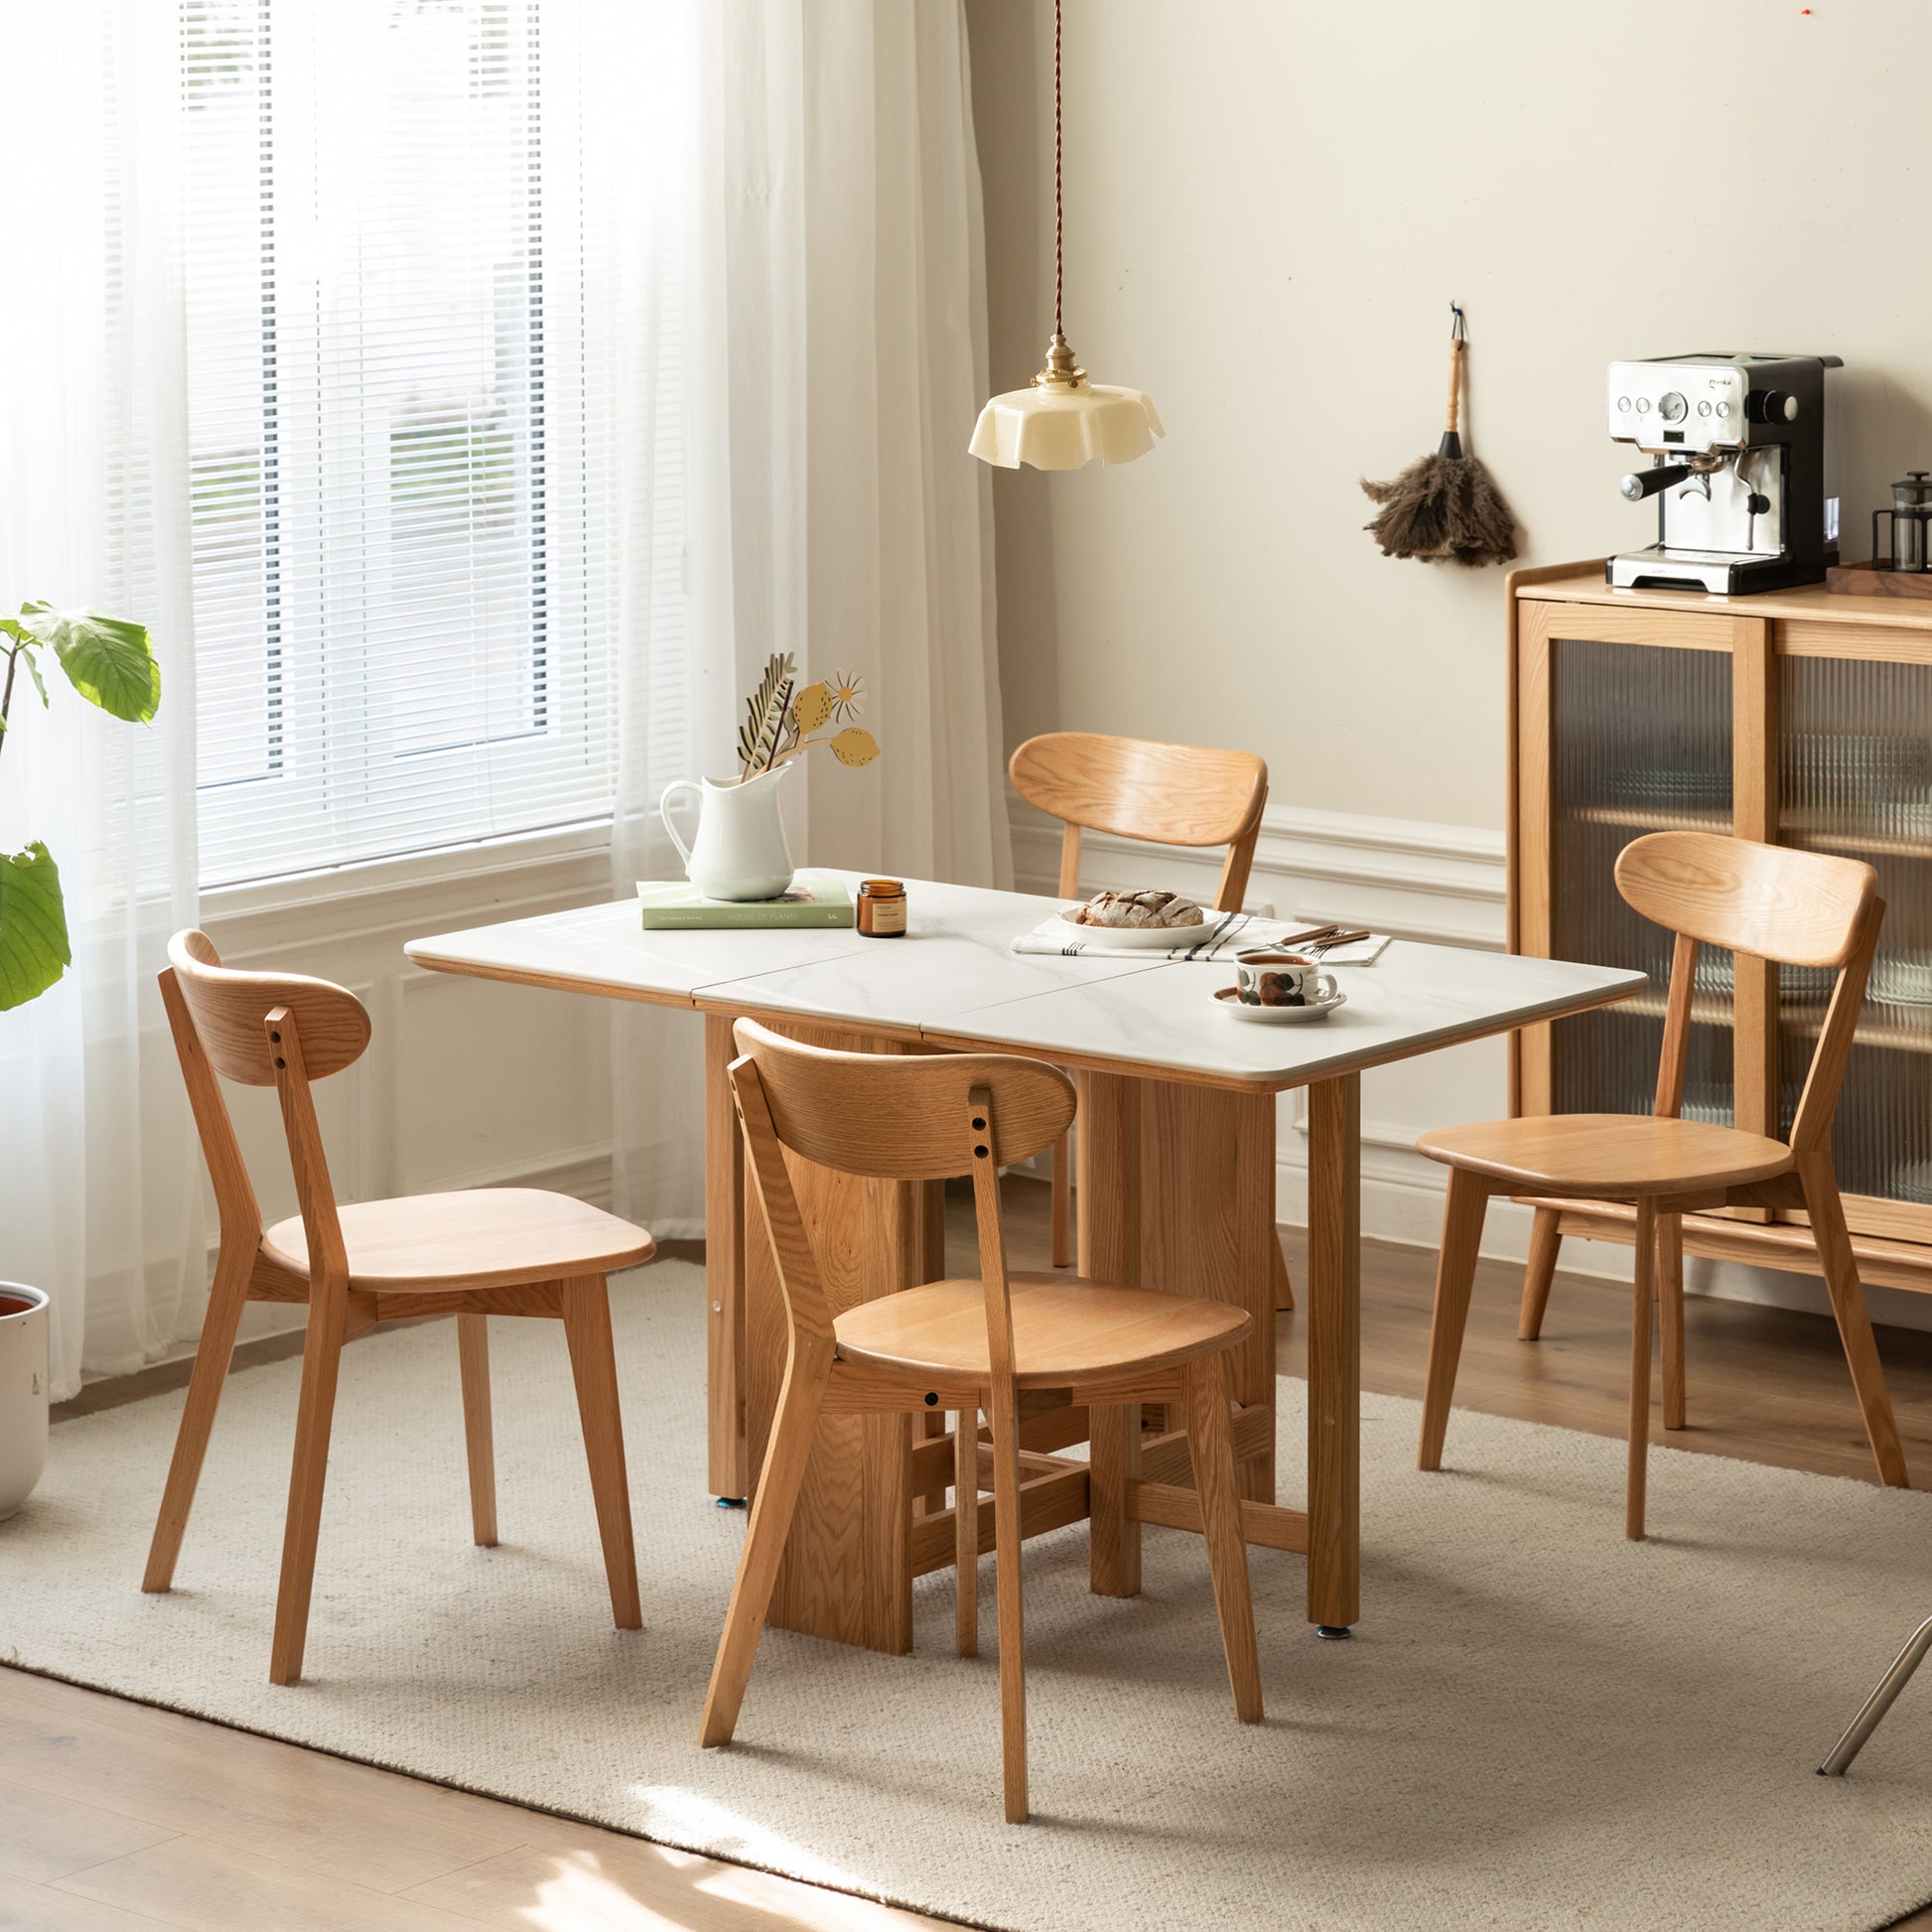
(1617, 1155)
(482, 1237)
(1062, 1329)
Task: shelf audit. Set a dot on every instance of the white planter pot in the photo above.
(23, 1393)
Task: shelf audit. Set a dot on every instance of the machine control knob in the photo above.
(1771, 406)
(1758, 503)
(1724, 409)
(1672, 407)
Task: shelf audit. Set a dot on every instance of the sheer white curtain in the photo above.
(99, 1180)
(834, 327)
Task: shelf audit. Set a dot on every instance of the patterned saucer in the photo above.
(1231, 1002)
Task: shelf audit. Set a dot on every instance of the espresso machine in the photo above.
(1744, 467)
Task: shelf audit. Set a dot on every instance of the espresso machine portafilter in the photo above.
(1742, 463)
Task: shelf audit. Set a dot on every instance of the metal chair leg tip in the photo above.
(1334, 1633)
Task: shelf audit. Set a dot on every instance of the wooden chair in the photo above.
(1800, 907)
(1170, 794)
(489, 1251)
(961, 1345)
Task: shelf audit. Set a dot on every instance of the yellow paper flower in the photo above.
(848, 696)
(854, 747)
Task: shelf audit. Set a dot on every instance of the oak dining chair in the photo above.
(1166, 794)
(1801, 908)
(964, 1345)
(474, 1254)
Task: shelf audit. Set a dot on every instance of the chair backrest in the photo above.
(279, 1030)
(1771, 901)
(1173, 794)
(899, 1117)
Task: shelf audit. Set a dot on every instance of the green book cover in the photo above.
(816, 898)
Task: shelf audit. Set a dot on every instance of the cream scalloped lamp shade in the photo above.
(1065, 428)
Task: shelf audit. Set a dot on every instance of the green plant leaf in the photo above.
(34, 950)
(108, 660)
(34, 672)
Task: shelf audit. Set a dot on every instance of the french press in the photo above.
(1911, 523)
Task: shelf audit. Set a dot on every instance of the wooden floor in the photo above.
(114, 1816)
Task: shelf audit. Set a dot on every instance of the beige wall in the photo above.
(1270, 205)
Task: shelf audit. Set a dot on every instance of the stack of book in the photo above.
(816, 898)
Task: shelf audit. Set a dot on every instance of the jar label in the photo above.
(887, 915)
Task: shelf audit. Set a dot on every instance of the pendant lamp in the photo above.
(1060, 420)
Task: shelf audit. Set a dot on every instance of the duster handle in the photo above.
(1458, 346)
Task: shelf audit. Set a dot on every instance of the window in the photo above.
(400, 374)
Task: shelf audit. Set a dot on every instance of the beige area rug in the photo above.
(1537, 1725)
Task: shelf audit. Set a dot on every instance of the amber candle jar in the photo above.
(882, 908)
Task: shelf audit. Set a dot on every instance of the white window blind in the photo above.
(401, 398)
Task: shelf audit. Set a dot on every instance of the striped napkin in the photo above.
(1228, 934)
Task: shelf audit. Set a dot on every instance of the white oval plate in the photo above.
(1231, 1002)
(1138, 936)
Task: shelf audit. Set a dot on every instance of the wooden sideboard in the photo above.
(1802, 718)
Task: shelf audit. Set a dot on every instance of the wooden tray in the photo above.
(1877, 579)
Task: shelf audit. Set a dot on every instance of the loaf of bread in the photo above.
(1143, 910)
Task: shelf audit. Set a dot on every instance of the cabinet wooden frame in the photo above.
(1569, 603)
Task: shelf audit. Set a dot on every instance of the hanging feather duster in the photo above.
(1446, 507)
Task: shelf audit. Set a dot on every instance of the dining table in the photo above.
(1176, 1151)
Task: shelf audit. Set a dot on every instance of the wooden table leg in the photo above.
(1334, 1352)
(1208, 1227)
(1109, 1144)
(724, 1267)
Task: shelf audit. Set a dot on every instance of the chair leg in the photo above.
(1283, 1288)
(594, 1366)
(1853, 1322)
(228, 1299)
(1210, 1446)
(1455, 1274)
(1545, 1242)
(1113, 1462)
(1638, 1448)
(1063, 1202)
(1006, 1558)
(322, 1353)
(1670, 1313)
(966, 1529)
(473, 1356)
(777, 1497)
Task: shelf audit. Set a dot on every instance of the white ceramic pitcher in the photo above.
(740, 851)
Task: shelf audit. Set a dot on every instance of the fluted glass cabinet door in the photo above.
(1641, 742)
(1854, 772)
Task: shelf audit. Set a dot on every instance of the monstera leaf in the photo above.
(110, 662)
(34, 950)
(107, 659)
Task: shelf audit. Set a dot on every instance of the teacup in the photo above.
(1267, 978)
